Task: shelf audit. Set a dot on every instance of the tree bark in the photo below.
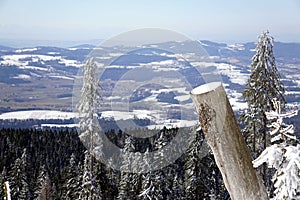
(223, 135)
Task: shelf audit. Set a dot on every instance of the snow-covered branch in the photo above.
(283, 157)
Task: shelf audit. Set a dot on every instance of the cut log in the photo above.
(223, 135)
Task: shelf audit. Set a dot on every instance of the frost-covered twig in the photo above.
(280, 129)
(283, 157)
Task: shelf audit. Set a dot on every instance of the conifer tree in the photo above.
(46, 192)
(263, 85)
(89, 190)
(193, 186)
(72, 185)
(89, 130)
(87, 106)
(147, 185)
(18, 179)
(40, 180)
(128, 179)
(161, 185)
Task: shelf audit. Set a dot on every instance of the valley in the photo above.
(154, 81)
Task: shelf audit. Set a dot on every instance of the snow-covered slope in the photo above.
(38, 114)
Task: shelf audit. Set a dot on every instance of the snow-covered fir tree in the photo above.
(135, 175)
(128, 181)
(147, 185)
(40, 180)
(193, 185)
(18, 178)
(87, 106)
(89, 129)
(161, 184)
(283, 155)
(263, 85)
(46, 192)
(89, 189)
(72, 185)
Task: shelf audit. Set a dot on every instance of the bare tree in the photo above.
(223, 135)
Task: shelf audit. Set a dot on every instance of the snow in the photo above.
(297, 82)
(147, 114)
(236, 100)
(53, 53)
(33, 67)
(115, 54)
(283, 157)
(206, 88)
(62, 77)
(123, 115)
(203, 44)
(179, 90)
(166, 65)
(112, 98)
(237, 106)
(59, 125)
(17, 60)
(73, 63)
(103, 57)
(292, 92)
(233, 72)
(26, 50)
(286, 161)
(239, 47)
(183, 97)
(171, 123)
(22, 76)
(72, 49)
(121, 67)
(38, 114)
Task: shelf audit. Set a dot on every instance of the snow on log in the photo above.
(223, 135)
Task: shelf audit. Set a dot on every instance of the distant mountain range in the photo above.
(42, 77)
(56, 43)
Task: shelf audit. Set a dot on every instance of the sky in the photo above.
(215, 20)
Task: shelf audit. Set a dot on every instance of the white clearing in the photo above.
(38, 114)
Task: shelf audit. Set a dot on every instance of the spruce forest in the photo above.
(52, 165)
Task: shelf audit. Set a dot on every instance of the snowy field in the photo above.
(38, 114)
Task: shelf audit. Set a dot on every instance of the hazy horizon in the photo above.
(72, 43)
(229, 21)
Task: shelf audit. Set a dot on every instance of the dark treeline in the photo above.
(51, 164)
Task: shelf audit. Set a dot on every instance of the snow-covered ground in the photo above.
(38, 114)
(59, 125)
(109, 115)
(235, 75)
(22, 60)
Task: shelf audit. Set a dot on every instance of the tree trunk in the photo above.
(228, 146)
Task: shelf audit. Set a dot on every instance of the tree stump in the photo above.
(223, 135)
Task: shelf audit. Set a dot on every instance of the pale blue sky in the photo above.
(217, 20)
